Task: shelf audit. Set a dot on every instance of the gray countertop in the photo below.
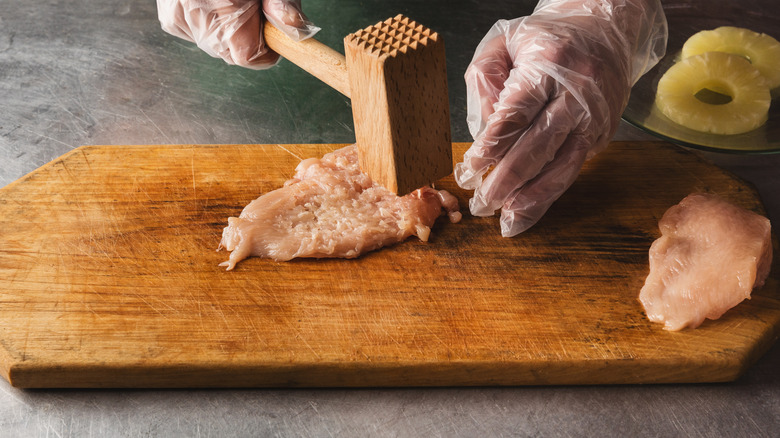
(102, 72)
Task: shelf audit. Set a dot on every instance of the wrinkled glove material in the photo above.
(232, 29)
(545, 92)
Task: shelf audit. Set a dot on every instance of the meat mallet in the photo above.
(396, 76)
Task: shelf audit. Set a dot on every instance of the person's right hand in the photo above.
(545, 92)
(233, 29)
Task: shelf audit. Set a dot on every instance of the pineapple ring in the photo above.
(727, 74)
(760, 49)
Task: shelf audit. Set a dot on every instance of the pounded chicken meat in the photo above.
(710, 256)
(331, 209)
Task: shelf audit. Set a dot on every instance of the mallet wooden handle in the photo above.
(321, 61)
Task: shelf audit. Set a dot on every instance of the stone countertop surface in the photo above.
(84, 72)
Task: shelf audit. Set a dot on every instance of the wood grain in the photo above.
(400, 103)
(109, 278)
(316, 58)
(395, 73)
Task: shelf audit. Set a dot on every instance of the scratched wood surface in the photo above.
(109, 278)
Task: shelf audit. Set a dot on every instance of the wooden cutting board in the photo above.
(109, 278)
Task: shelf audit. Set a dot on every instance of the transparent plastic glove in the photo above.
(233, 29)
(545, 92)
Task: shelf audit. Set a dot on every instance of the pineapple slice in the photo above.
(760, 49)
(732, 76)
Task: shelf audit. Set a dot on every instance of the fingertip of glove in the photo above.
(265, 65)
(479, 206)
(299, 31)
(513, 223)
(466, 177)
(307, 31)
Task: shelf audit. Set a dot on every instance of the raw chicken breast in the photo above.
(710, 256)
(331, 209)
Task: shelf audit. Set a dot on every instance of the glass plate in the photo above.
(686, 18)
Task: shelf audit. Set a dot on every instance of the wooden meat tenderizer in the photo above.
(396, 75)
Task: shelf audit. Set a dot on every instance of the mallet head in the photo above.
(398, 82)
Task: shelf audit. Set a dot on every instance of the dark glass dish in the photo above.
(685, 19)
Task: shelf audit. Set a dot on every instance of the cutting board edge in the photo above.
(337, 377)
(704, 368)
(42, 168)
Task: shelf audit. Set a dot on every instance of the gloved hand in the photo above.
(233, 29)
(545, 92)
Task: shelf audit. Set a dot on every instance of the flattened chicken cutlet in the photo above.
(331, 209)
(710, 256)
